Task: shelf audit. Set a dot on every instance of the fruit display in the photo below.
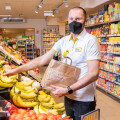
(22, 114)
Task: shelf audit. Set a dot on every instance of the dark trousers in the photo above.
(75, 109)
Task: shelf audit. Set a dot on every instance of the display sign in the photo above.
(93, 115)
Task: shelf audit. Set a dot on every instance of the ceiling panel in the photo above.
(26, 8)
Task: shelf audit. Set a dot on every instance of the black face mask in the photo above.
(75, 27)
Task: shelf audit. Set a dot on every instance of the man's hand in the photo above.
(59, 91)
(10, 72)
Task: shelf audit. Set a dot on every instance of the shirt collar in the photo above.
(81, 35)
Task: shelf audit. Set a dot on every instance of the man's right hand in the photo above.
(10, 72)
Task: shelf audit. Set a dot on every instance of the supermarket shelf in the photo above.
(111, 62)
(102, 23)
(103, 51)
(21, 45)
(112, 43)
(50, 37)
(11, 56)
(49, 40)
(110, 71)
(110, 80)
(117, 53)
(116, 35)
(108, 91)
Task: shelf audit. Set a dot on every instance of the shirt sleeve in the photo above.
(57, 46)
(93, 50)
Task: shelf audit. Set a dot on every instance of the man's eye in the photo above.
(78, 18)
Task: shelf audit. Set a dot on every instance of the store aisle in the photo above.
(109, 108)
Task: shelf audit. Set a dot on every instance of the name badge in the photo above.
(78, 49)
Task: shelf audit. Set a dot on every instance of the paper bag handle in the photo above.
(66, 60)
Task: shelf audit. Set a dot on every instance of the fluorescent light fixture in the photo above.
(8, 7)
(5, 15)
(48, 13)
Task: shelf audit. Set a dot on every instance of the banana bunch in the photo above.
(60, 108)
(23, 95)
(7, 82)
(48, 105)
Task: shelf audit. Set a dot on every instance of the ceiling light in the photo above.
(36, 11)
(66, 3)
(57, 10)
(8, 7)
(40, 5)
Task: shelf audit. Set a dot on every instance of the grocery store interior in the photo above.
(30, 28)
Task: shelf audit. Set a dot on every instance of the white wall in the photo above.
(37, 24)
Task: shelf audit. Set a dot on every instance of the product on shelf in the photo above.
(50, 37)
(110, 12)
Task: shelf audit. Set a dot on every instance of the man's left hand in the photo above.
(59, 91)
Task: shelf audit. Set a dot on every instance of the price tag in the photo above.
(93, 115)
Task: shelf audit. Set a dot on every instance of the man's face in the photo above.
(76, 15)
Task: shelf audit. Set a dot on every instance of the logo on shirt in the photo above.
(78, 49)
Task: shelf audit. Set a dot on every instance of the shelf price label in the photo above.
(93, 115)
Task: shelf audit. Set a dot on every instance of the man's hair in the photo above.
(84, 12)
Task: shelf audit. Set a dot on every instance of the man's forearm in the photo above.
(84, 81)
(29, 66)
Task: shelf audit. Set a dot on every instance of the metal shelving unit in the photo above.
(30, 50)
(50, 36)
(108, 91)
(105, 52)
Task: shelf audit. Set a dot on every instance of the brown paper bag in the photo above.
(60, 74)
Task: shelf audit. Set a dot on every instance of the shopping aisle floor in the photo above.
(109, 108)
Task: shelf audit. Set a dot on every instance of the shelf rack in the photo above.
(116, 53)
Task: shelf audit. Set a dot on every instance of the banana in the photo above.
(42, 92)
(26, 91)
(14, 76)
(52, 100)
(49, 105)
(2, 88)
(42, 96)
(41, 111)
(53, 111)
(58, 106)
(61, 109)
(24, 83)
(29, 100)
(28, 95)
(2, 84)
(12, 92)
(14, 99)
(6, 79)
(22, 87)
(45, 99)
(36, 109)
(25, 104)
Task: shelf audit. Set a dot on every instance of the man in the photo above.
(84, 52)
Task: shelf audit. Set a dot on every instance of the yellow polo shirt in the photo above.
(81, 49)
